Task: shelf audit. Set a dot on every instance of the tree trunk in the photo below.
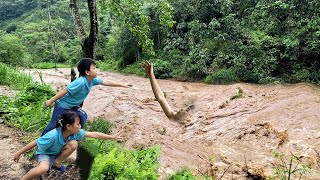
(88, 44)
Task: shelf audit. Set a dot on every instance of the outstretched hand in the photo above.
(47, 103)
(16, 157)
(117, 136)
(148, 68)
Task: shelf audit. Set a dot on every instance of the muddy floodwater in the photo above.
(232, 139)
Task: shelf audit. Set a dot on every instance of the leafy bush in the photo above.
(96, 146)
(186, 174)
(100, 125)
(162, 69)
(182, 175)
(294, 169)
(109, 65)
(194, 66)
(222, 76)
(126, 164)
(134, 68)
(26, 110)
(12, 50)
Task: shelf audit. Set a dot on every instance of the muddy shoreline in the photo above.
(222, 137)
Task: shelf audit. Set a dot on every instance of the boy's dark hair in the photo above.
(84, 65)
(67, 117)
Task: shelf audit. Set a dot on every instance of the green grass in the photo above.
(49, 65)
(25, 111)
(126, 164)
(11, 77)
(134, 69)
(222, 76)
(100, 125)
(112, 66)
(238, 94)
(186, 174)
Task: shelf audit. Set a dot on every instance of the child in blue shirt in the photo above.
(76, 92)
(57, 142)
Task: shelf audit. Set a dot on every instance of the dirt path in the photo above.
(232, 139)
(9, 144)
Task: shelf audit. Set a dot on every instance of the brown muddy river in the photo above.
(229, 139)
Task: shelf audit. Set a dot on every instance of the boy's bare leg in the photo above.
(37, 171)
(67, 150)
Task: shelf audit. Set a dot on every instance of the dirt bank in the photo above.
(223, 137)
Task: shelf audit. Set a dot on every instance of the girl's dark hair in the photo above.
(67, 117)
(84, 65)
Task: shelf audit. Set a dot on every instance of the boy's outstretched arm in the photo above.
(26, 148)
(114, 84)
(59, 95)
(157, 91)
(99, 135)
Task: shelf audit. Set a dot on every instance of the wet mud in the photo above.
(222, 136)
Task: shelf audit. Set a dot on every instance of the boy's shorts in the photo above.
(58, 110)
(46, 157)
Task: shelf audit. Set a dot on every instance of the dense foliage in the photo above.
(186, 174)
(126, 164)
(260, 41)
(114, 162)
(25, 110)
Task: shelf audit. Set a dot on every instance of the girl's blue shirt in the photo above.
(78, 90)
(52, 142)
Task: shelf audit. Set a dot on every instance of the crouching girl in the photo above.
(58, 144)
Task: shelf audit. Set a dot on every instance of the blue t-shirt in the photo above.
(78, 90)
(52, 142)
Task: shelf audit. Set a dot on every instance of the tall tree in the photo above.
(88, 43)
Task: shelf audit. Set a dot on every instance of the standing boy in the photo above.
(75, 93)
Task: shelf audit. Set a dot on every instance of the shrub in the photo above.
(126, 164)
(222, 76)
(186, 174)
(182, 175)
(162, 69)
(12, 50)
(100, 125)
(134, 68)
(288, 170)
(26, 110)
(269, 80)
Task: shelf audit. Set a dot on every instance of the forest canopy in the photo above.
(258, 41)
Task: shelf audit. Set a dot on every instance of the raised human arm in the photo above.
(114, 84)
(99, 135)
(26, 148)
(157, 92)
(59, 95)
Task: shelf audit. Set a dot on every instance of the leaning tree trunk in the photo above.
(88, 44)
